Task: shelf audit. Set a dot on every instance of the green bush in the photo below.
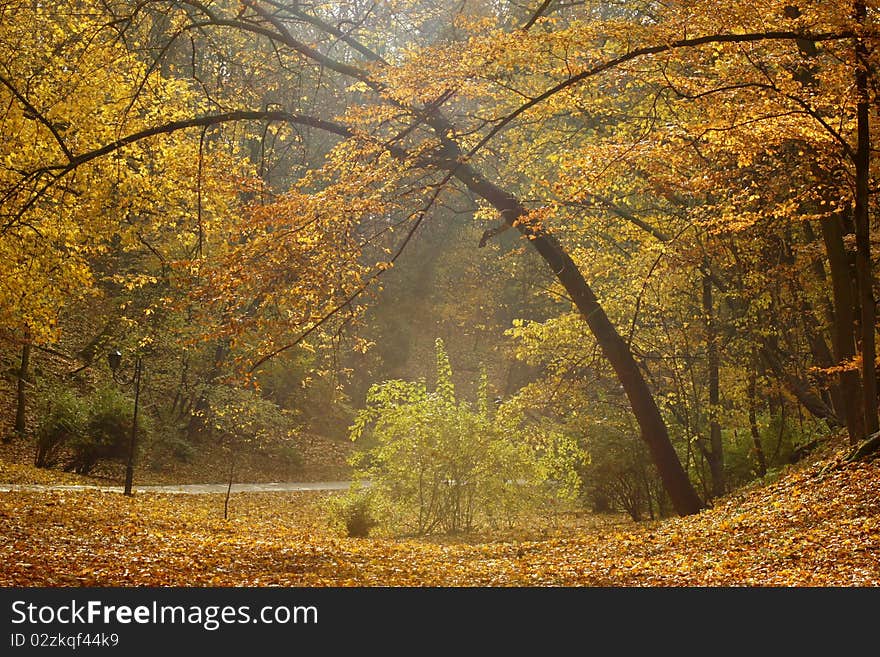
(84, 430)
(107, 432)
(437, 465)
(62, 417)
(169, 444)
(290, 455)
(354, 511)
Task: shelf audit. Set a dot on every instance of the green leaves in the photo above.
(436, 464)
(445, 387)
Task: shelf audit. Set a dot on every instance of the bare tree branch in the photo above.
(538, 13)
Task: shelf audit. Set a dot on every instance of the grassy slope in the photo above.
(321, 459)
(806, 528)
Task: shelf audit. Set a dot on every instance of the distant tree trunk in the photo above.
(861, 219)
(777, 401)
(820, 349)
(197, 424)
(653, 427)
(830, 388)
(753, 419)
(229, 486)
(844, 322)
(770, 355)
(21, 401)
(818, 267)
(822, 355)
(648, 496)
(715, 454)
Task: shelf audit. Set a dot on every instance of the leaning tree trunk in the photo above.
(653, 428)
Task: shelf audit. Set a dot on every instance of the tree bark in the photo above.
(229, 485)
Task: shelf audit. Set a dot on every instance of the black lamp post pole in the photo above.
(129, 466)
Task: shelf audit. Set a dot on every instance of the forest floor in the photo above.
(812, 526)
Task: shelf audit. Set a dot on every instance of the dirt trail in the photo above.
(188, 489)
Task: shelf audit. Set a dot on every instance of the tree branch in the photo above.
(421, 214)
(61, 170)
(651, 50)
(36, 114)
(538, 13)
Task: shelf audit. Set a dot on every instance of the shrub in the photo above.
(107, 431)
(437, 465)
(622, 476)
(88, 429)
(290, 455)
(354, 511)
(168, 445)
(62, 416)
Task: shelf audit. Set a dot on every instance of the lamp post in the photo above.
(114, 358)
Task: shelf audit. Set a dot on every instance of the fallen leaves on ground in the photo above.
(18, 473)
(808, 528)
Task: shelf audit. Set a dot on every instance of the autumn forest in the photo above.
(454, 293)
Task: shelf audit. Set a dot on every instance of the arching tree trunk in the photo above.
(653, 428)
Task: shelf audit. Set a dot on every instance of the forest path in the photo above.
(189, 489)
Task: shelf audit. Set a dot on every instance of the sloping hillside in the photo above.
(311, 458)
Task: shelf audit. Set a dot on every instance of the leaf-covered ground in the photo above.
(807, 528)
